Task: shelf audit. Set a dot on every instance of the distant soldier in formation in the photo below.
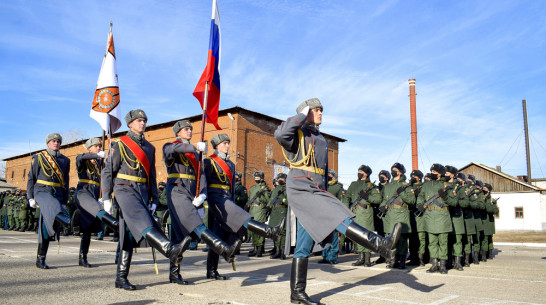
(418, 235)
(87, 193)
(278, 205)
(361, 194)
(477, 205)
(3, 210)
(379, 222)
(491, 209)
(257, 207)
(70, 208)
(163, 206)
(23, 213)
(241, 193)
(330, 254)
(130, 174)
(47, 187)
(458, 201)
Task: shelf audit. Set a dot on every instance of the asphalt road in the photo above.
(517, 275)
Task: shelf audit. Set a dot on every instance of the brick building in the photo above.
(252, 146)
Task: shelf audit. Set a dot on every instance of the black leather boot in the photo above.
(421, 259)
(219, 246)
(443, 269)
(467, 260)
(380, 260)
(64, 220)
(123, 270)
(277, 252)
(272, 251)
(368, 239)
(389, 263)
(475, 258)
(84, 249)
(367, 256)
(170, 250)
(458, 264)
(490, 254)
(402, 263)
(260, 251)
(253, 251)
(111, 222)
(298, 282)
(174, 275)
(212, 266)
(484, 258)
(434, 267)
(360, 260)
(42, 252)
(266, 231)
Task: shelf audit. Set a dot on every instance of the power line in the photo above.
(500, 163)
(536, 155)
(400, 155)
(423, 150)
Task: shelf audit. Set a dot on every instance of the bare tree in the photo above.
(70, 136)
(3, 169)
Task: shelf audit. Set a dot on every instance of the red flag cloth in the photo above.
(212, 72)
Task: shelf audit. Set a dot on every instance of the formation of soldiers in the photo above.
(447, 219)
(15, 213)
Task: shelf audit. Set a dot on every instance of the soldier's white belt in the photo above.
(131, 178)
(312, 169)
(183, 176)
(89, 182)
(219, 186)
(55, 184)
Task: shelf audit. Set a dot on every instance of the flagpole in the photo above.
(203, 119)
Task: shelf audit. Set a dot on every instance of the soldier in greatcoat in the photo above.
(183, 197)
(130, 174)
(89, 166)
(319, 214)
(47, 187)
(224, 214)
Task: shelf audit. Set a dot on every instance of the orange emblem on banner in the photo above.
(106, 99)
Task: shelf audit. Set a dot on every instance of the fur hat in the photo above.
(417, 173)
(54, 136)
(385, 173)
(218, 138)
(91, 142)
(439, 168)
(259, 174)
(400, 167)
(135, 114)
(181, 124)
(451, 169)
(366, 169)
(312, 103)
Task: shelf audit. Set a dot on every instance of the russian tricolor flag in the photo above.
(212, 72)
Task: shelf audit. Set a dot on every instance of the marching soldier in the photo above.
(418, 236)
(487, 229)
(362, 194)
(476, 204)
(130, 174)
(48, 187)
(16, 207)
(87, 194)
(257, 205)
(319, 214)
(459, 200)
(330, 254)
(379, 222)
(223, 212)
(184, 197)
(491, 209)
(23, 212)
(398, 196)
(279, 207)
(241, 194)
(70, 208)
(432, 201)
(3, 209)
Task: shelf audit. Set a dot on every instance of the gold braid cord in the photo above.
(125, 157)
(51, 165)
(308, 159)
(221, 176)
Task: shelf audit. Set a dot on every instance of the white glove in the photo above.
(32, 203)
(198, 201)
(108, 206)
(305, 110)
(152, 208)
(101, 154)
(202, 147)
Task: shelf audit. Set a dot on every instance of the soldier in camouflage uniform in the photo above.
(491, 209)
(418, 235)
(13, 221)
(477, 205)
(257, 204)
(458, 201)
(279, 208)
(241, 194)
(361, 194)
(3, 211)
(398, 196)
(488, 230)
(23, 213)
(379, 223)
(330, 254)
(432, 201)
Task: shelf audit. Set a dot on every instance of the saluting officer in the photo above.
(89, 166)
(257, 205)
(361, 194)
(184, 198)
(319, 214)
(47, 187)
(130, 174)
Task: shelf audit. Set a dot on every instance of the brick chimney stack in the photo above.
(413, 113)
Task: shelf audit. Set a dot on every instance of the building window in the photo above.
(519, 212)
(12, 174)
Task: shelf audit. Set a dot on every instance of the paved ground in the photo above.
(517, 275)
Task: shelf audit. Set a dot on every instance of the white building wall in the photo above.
(534, 211)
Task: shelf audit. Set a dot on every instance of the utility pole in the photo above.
(527, 153)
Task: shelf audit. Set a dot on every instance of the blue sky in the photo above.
(474, 61)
